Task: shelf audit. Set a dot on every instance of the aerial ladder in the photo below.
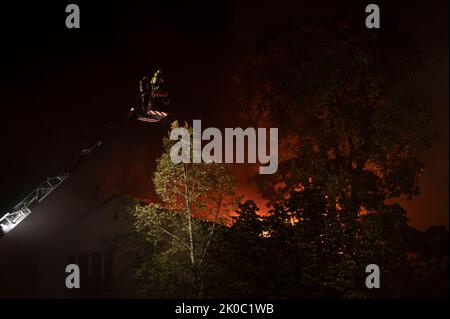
(153, 96)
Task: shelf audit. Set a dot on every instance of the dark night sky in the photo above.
(60, 87)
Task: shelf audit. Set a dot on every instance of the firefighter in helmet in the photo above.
(153, 92)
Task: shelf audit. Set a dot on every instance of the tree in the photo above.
(351, 139)
(334, 94)
(196, 197)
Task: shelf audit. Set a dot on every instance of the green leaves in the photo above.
(180, 231)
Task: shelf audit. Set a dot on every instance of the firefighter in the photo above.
(145, 92)
(153, 94)
(159, 94)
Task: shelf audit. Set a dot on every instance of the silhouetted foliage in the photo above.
(351, 142)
